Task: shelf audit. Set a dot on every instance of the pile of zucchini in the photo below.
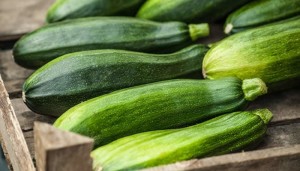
(126, 81)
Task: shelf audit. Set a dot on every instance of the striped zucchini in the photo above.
(261, 12)
(187, 10)
(76, 77)
(57, 39)
(156, 106)
(269, 52)
(70, 9)
(221, 135)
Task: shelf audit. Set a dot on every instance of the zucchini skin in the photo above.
(187, 10)
(155, 106)
(70, 9)
(269, 52)
(126, 33)
(77, 77)
(224, 134)
(261, 12)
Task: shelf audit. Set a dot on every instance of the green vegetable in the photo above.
(156, 106)
(69, 9)
(79, 76)
(261, 12)
(187, 10)
(269, 52)
(221, 135)
(57, 39)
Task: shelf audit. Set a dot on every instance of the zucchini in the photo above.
(187, 10)
(221, 135)
(76, 77)
(269, 52)
(156, 106)
(57, 39)
(261, 12)
(70, 9)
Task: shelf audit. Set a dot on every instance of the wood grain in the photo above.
(26, 119)
(12, 136)
(12, 74)
(9, 70)
(284, 106)
(58, 150)
(18, 17)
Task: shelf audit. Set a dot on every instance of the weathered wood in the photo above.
(18, 17)
(279, 159)
(284, 105)
(9, 70)
(281, 136)
(12, 135)
(12, 74)
(58, 150)
(14, 88)
(26, 119)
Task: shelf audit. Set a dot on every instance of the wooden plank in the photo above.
(281, 136)
(284, 105)
(12, 135)
(14, 88)
(18, 17)
(58, 150)
(280, 158)
(12, 74)
(9, 70)
(26, 119)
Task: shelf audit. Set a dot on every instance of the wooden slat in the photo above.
(12, 136)
(284, 105)
(9, 70)
(21, 16)
(12, 74)
(58, 150)
(272, 159)
(26, 119)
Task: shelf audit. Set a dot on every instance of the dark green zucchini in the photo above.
(221, 135)
(70, 9)
(269, 52)
(57, 39)
(79, 76)
(261, 12)
(156, 106)
(187, 10)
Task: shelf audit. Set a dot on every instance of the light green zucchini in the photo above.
(269, 52)
(221, 135)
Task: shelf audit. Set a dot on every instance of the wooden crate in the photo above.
(30, 143)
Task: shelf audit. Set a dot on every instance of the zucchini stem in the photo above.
(253, 88)
(265, 114)
(198, 30)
